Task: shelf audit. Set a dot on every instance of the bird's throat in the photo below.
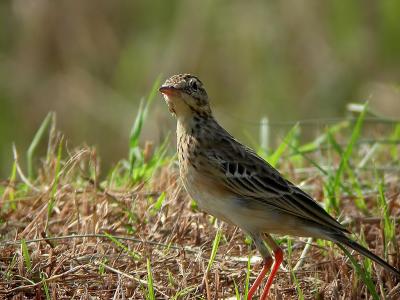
(185, 125)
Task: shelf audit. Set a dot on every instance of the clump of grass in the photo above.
(69, 229)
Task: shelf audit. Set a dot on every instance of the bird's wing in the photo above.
(248, 176)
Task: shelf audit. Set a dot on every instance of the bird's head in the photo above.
(185, 96)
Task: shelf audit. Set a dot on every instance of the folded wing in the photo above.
(250, 177)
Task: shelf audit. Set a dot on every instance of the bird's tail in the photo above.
(342, 239)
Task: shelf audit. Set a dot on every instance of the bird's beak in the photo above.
(168, 90)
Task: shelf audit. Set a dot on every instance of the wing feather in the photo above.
(248, 176)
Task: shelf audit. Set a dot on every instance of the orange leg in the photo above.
(278, 254)
(267, 265)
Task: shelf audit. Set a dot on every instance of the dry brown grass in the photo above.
(71, 255)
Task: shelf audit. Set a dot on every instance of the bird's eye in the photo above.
(193, 84)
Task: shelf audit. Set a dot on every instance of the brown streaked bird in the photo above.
(231, 182)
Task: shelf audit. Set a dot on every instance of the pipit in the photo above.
(231, 182)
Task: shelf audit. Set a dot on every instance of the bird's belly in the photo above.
(212, 203)
(248, 218)
(242, 213)
(249, 214)
(209, 196)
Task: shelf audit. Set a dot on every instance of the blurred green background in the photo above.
(92, 61)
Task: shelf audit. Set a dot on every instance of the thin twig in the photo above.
(94, 235)
(303, 254)
(29, 287)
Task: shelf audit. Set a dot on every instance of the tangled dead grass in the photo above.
(103, 241)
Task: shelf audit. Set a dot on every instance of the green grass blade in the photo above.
(142, 114)
(237, 294)
(8, 274)
(134, 152)
(214, 249)
(133, 254)
(137, 126)
(320, 140)
(25, 254)
(158, 204)
(11, 189)
(349, 150)
(296, 151)
(288, 140)
(150, 285)
(144, 170)
(335, 145)
(56, 180)
(247, 280)
(43, 278)
(389, 229)
(331, 198)
(300, 294)
(182, 293)
(35, 142)
(171, 279)
(359, 201)
(52, 137)
(102, 268)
